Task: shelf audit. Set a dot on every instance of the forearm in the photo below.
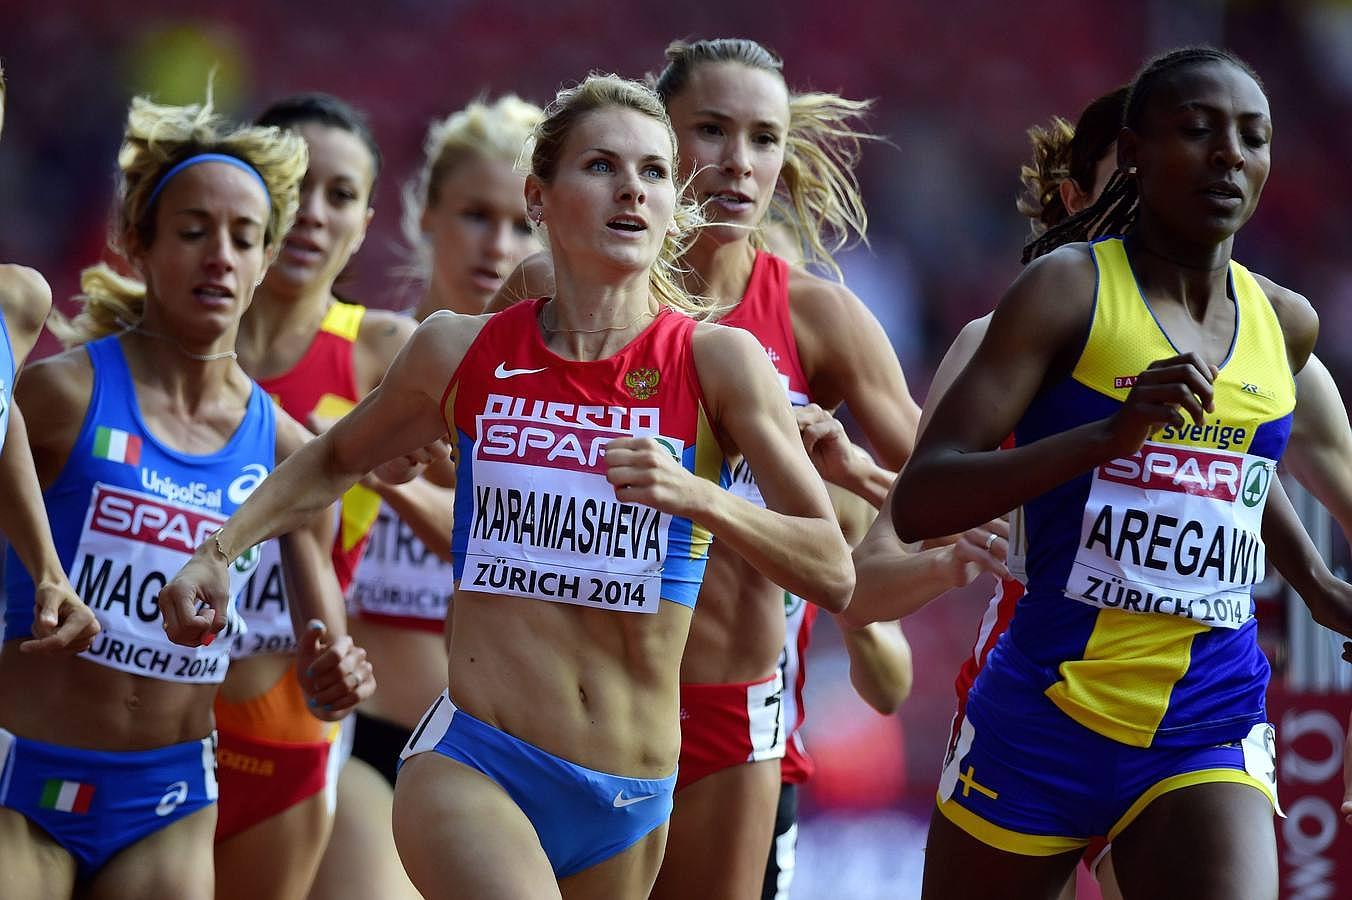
(23, 517)
(880, 665)
(869, 480)
(426, 508)
(948, 491)
(303, 486)
(891, 582)
(804, 555)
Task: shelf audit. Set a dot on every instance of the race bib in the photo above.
(130, 546)
(263, 605)
(545, 522)
(1174, 531)
(399, 576)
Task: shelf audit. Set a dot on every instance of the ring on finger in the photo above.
(990, 541)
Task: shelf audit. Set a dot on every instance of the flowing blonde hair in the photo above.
(158, 138)
(482, 130)
(598, 92)
(817, 198)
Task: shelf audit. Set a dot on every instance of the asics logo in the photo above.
(503, 372)
(249, 478)
(621, 801)
(173, 798)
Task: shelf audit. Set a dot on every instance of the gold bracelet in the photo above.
(216, 542)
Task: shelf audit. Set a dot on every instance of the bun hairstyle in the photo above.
(818, 200)
(158, 138)
(1062, 151)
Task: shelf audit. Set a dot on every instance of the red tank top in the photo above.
(764, 311)
(534, 513)
(324, 382)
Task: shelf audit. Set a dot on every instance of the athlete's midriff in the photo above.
(77, 703)
(739, 632)
(596, 688)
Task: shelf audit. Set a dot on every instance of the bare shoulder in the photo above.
(25, 298)
(1299, 321)
(383, 332)
(1053, 292)
(728, 360)
(54, 394)
(820, 298)
(444, 338)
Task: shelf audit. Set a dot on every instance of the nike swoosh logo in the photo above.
(503, 372)
(622, 801)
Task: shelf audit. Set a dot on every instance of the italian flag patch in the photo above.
(116, 445)
(67, 796)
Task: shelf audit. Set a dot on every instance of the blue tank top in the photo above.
(127, 511)
(7, 373)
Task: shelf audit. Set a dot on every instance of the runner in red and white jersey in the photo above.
(465, 218)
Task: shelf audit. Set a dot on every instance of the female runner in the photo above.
(145, 440)
(563, 550)
(316, 355)
(1161, 569)
(748, 144)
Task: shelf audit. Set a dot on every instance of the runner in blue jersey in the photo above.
(145, 439)
(1126, 698)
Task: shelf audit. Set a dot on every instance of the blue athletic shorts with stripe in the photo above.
(1022, 776)
(96, 803)
(581, 816)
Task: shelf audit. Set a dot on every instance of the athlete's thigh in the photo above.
(720, 834)
(958, 867)
(461, 836)
(360, 860)
(173, 863)
(32, 865)
(1203, 842)
(627, 874)
(276, 858)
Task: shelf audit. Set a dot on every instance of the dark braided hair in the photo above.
(1116, 209)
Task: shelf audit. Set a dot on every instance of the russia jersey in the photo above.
(534, 514)
(324, 382)
(127, 512)
(1138, 621)
(8, 372)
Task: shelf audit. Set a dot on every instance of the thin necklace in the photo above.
(196, 357)
(621, 327)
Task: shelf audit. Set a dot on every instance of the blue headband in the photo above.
(206, 158)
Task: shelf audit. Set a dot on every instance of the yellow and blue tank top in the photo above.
(127, 511)
(8, 372)
(1139, 612)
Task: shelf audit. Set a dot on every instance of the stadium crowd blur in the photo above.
(956, 86)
